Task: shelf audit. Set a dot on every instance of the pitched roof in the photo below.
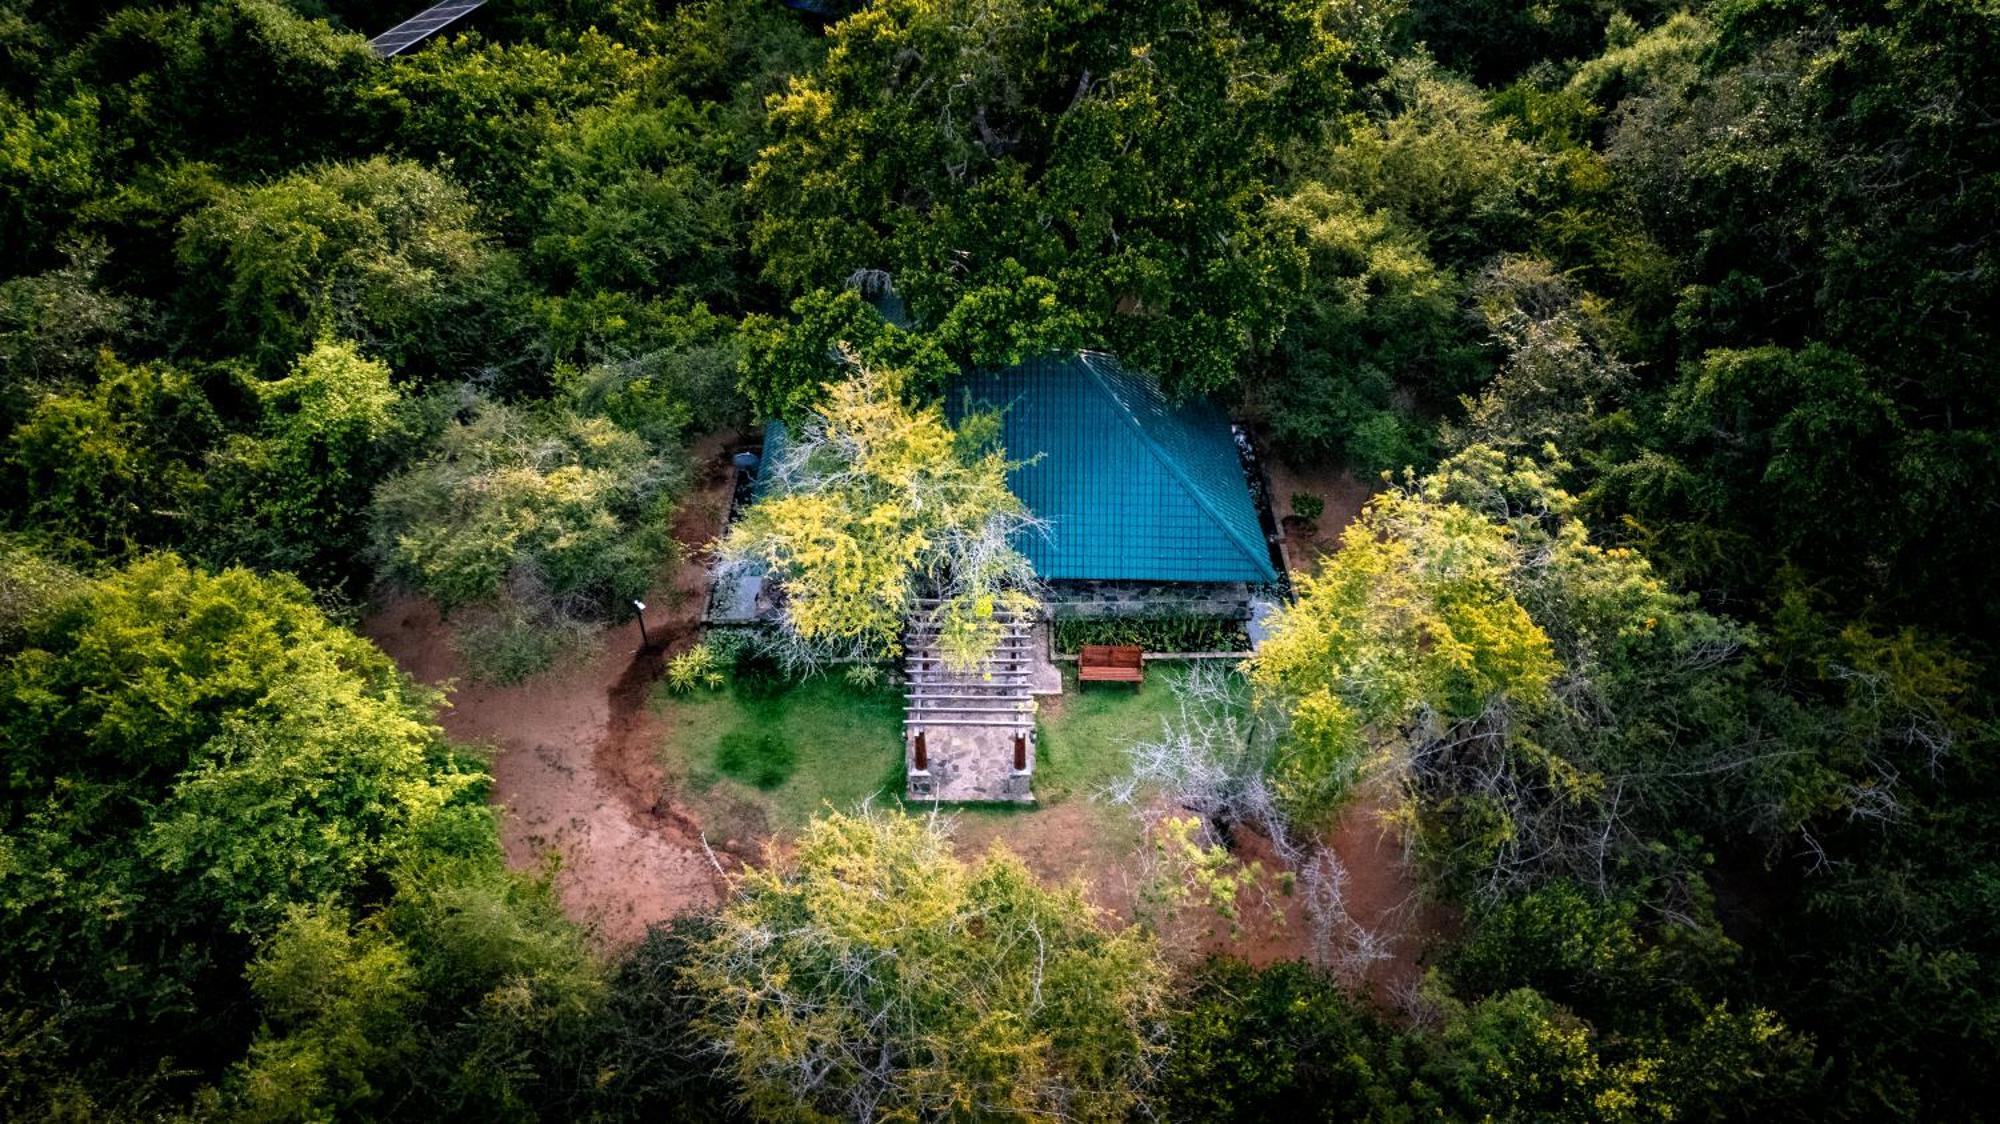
(1133, 487)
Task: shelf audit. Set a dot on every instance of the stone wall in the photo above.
(1123, 599)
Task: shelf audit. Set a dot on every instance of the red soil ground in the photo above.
(574, 751)
(1070, 841)
(1343, 495)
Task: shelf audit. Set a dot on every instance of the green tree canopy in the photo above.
(542, 520)
(292, 494)
(186, 757)
(385, 253)
(117, 466)
(1112, 157)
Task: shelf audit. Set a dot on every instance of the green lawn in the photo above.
(1083, 736)
(758, 763)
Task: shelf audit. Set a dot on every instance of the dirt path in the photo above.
(574, 767)
(1343, 495)
(1380, 895)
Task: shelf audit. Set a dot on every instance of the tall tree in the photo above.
(1116, 155)
(874, 505)
(876, 975)
(186, 757)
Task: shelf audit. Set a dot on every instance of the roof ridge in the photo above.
(1258, 555)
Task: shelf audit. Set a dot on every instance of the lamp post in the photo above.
(644, 640)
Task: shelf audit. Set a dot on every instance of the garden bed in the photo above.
(1156, 633)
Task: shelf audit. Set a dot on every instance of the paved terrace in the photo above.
(976, 728)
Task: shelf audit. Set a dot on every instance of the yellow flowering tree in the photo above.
(875, 976)
(1412, 624)
(876, 505)
(1546, 704)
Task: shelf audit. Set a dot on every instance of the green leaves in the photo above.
(1410, 628)
(787, 367)
(1097, 169)
(877, 969)
(307, 805)
(542, 521)
(382, 252)
(185, 757)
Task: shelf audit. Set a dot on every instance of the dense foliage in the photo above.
(874, 506)
(877, 977)
(527, 525)
(1153, 631)
(1672, 632)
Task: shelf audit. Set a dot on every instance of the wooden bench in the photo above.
(1111, 663)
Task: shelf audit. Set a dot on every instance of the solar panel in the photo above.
(420, 27)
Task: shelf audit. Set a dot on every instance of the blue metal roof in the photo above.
(776, 437)
(1133, 487)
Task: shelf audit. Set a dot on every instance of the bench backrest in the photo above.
(1112, 655)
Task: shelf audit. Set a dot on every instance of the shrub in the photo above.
(730, 644)
(759, 675)
(1282, 1043)
(1307, 506)
(504, 642)
(864, 675)
(1156, 632)
(696, 667)
(874, 968)
(553, 520)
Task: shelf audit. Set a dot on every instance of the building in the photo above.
(1137, 491)
(1146, 506)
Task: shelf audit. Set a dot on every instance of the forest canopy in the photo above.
(1660, 336)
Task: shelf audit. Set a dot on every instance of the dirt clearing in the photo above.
(574, 767)
(1343, 495)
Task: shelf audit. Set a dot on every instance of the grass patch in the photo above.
(761, 756)
(1083, 738)
(764, 759)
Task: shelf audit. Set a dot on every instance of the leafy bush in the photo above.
(506, 642)
(1283, 1043)
(31, 587)
(1155, 632)
(552, 519)
(294, 494)
(385, 252)
(99, 467)
(731, 644)
(872, 504)
(207, 752)
(1008, 999)
(760, 675)
(696, 667)
(1307, 506)
(864, 675)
